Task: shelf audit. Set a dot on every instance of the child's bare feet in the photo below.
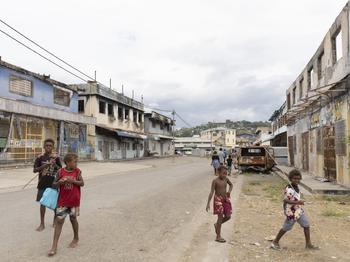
(40, 228)
(74, 243)
(275, 246)
(52, 252)
(312, 247)
(220, 240)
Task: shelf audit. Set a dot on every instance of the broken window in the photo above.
(320, 65)
(110, 110)
(134, 146)
(102, 107)
(127, 113)
(134, 116)
(120, 112)
(21, 86)
(99, 145)
(294, 91)
(288, 101)
(301, 83)
(61, 97)
(140, 117)
(337, 46)
(81, 106)
(310, 78)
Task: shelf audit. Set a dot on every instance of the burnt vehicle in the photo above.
(256, 158)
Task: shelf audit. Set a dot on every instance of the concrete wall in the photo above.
(43, 92)
(116, 152)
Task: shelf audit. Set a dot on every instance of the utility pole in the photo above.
(173, 113)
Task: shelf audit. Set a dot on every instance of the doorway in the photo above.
(330, 167)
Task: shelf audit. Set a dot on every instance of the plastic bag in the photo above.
(49, 198)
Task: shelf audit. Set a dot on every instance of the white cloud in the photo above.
(207, 59)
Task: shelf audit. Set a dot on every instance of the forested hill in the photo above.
(241, 126)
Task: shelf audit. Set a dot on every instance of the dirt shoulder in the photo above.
(259, 216)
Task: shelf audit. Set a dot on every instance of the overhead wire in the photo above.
(36, 52)
(47, 51)
(184, 121)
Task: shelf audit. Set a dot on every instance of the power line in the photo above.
(47, 51)
(48, 59)
(182, 119)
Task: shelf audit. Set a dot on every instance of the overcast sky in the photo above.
(210, 60)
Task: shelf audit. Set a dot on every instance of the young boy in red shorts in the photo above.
(222, 203)
(69, 181)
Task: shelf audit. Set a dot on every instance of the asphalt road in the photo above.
(133, 216)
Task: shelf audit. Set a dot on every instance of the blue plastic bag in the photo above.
(49, 198)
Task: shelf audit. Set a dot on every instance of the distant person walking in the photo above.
(47, 166)
(215, 162)
(229, 165)
(221, 156)
(222, 204)
(225, 155)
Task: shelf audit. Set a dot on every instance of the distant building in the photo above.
(245, 139)
(159, 131)
(279, 127)
(34, 107)
(220, 136)
(119, 131)
(263, 135)
(196, 145)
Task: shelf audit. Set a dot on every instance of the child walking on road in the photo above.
(69, 181)
(293, 211)
(222, 203)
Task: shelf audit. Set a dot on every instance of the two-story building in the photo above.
(318, 106)
(34, 107)
(119, 131)
(159, 131)
(220, 137)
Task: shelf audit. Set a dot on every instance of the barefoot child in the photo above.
(68, 181)
(293, 211)
(222, 203)
(47, 166)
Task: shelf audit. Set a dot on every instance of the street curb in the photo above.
(20, 166)
(284, 176)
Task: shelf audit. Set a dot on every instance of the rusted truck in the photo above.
(257, 158)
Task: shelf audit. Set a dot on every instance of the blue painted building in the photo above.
(34, 107)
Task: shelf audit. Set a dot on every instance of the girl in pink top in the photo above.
(68, 181)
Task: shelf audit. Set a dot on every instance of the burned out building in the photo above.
(119, 131)
(34, 107)
(318, 105)
(279, 127)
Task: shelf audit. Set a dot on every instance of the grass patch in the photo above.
(333, 213)
(255, 183)
(335, 198)
(274, 191)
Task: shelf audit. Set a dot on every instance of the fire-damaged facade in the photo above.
(318, 104)
(159, 130)
(34, 107)
(119, 131)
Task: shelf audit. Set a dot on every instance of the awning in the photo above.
(158, 137)
(129, 135)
